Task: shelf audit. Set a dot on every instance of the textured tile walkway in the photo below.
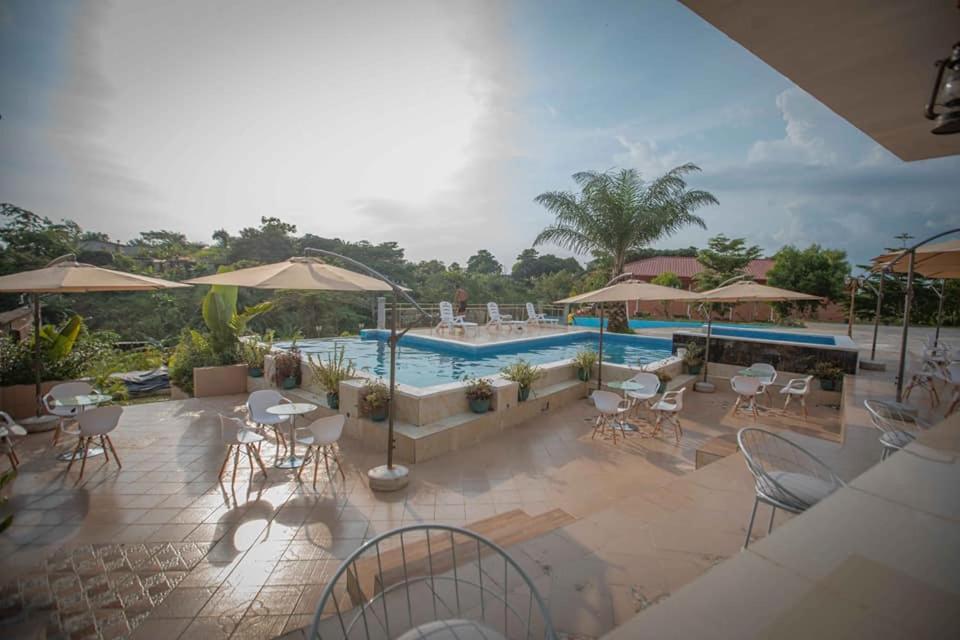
(261, 552)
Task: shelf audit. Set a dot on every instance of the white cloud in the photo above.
(802, 142)
(645, 157)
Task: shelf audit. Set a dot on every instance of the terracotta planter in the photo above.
(219, 381)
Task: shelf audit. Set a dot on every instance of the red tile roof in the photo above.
(688, 267)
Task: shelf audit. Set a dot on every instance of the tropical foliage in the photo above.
(723, 259)
(617, 212)
(331, 371)
(813, 270)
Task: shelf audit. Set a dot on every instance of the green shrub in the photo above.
(193, 351)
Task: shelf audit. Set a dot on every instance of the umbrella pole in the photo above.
(36, 350)
(393, 379)
(600, 357)
(876, 318)
(906, 326)
(706, 350)
(943, 290)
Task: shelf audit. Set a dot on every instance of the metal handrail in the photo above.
(374, 612)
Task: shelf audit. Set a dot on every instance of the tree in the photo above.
(530, 265)
(550, 287)
(617, 212)
(483, 262)
(724, 258)
(271, 242)
(668, 279)
(813, 270)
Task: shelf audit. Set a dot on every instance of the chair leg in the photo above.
(677, 429)
(336, 458)
(256, 456)
(76, 452)
(236, 463)
(83, 463)
(103, 445)
(326, 461)
(773, 512)
(316, 467)
(113, 450)
(12, 458)
(753, 514)
(786, 403)
(226, 458)
(306, 461)
(803, 406)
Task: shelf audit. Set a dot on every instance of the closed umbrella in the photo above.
(66, 275)
(625, 292)
(743, 291)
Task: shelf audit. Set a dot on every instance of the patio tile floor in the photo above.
(203, 560)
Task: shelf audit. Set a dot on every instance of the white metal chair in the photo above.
(897, 429)
(538, 319)
(64, 413)
(611, 407)
(499, 320)
(322, 440)
(8, 429)
(786, 476)
(747, 389)
(257, 404)
(450, 321)
(797, 388)
(238, 436)
(925, 378)
(767, 379)
(96, 423)
(667, 409)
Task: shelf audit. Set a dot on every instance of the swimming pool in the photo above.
(423, 361)
(777, 336)
(588, 321)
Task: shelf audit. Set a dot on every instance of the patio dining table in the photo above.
(625, 386)
(82, 402)
(292, 409)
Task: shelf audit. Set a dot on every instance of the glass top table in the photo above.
(291, 409)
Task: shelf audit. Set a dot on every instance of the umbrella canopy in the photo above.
(310, 274)
(70, 276)
(753, 292)
(627, 291)
(940, 260)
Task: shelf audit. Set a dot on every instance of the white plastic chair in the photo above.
(930, 371)
(498, 320)
(746, 389)
(238, 436)
(65, 414)
(797, 388)
(642, 397)
(322, 440)
(786, 476)
(9, 428)
(96, 423)
(257, 404)
(667, 409)
(450, 322)
(538, 319)
(767, 379)
(611, 407)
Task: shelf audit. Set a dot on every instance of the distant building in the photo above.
(687, 267)
(17, 323)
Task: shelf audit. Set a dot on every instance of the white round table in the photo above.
(82, 403)
(292, 409)
(624, 386)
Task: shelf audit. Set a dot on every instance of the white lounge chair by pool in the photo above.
(538, 319)
(500, 320)
(450, 322)
(797, 388)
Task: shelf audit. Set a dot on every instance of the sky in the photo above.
(432, 123)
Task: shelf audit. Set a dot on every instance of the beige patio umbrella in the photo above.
(313, 274)
(625, 292)
(66, 275)
(735, 293)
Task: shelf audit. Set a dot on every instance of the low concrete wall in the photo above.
(20, 400)
(784, 356)
(219, 381)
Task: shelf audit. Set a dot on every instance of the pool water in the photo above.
(422, 362)
(587, 321)
(779, 336)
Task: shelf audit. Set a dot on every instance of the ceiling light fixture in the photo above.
(946, 93)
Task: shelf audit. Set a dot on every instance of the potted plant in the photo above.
(664, 378)
(829, 375)
(331, 372)
(479, 393)
(254, 351)
(584, 361)
(287, 368)
(375, 400)
(524, 374)
(693, 358)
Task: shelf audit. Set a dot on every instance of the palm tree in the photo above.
(617, 212)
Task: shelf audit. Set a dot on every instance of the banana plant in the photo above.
(223, 320)
(58, 343)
